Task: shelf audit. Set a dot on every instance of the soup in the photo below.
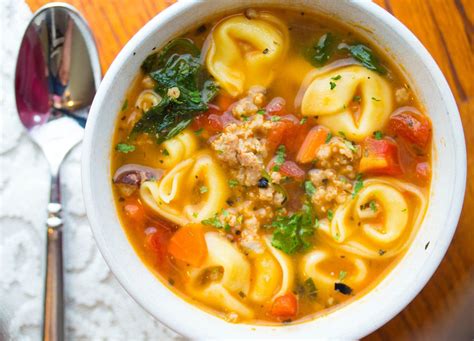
(270, 165)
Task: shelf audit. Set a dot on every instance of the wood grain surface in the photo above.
(445, 308)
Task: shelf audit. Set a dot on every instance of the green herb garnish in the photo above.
(275, 118)
(358, 185)
(261, 112)
(166, 152)
(199, 131)
(336, 78)
(322, 50)
(293, 233)
(124, 105)
(330, 215)
(328, 137)
(303, 120)
(356, 99)
(373, 206)
(378, 135)
(203, 189)
(365, 55)
(332, 85)
(310, 289)
(213, 221)
(279, 158)
(342, 275)
(124, 148)
(233, 183)
(309, 188)
(376, 99)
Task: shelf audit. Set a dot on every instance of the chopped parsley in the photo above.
(213, 221)
(275, 118)
(279, 158)
(166, 152)
(124, 148)
(293, 233)
(203, 189)
(125, 105)
(378, 135)
(303, 120)
(245, 118)
(330, 215)
(342, 275)
(199, 131)
(350, 145)
(336, 78)
(308, 289)
(328, 138)
(309, 188)
(382, 252)
(342, 134)
(376, 99)
(373, 206)
(332, 85)
(321, 51)
(261, 112)
(358, 185)
(233, 183)
(356, 99)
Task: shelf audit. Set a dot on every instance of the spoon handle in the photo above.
(53, 328)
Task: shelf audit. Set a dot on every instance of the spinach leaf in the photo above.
(322, 50)
(192, 90)
(177, 46)
(365, 55)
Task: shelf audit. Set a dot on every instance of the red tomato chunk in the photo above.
(285, 306)
(415, 128)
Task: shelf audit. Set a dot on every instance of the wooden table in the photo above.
(444, 309)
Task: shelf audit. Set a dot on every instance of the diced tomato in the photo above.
(291, 169)
(288, 168)
(380, 157)
(289, 132)
(415, 128)
(285, 306)
(210, 120)
(188, 245)
(315, 138)
(156, 241)
(223, 101)
(423, 171)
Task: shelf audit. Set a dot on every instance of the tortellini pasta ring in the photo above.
(369, 239)
(244, 52)
(273, 274)
(235, 277)
(175, 196)
(311, 267)
(329, 96)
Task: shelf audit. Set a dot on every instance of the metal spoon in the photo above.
(57, 74)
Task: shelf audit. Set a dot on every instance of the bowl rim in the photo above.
(430, 266)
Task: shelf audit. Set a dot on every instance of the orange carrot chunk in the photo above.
(380, 157)
(285, 306)
(315, 138)
(188, 245)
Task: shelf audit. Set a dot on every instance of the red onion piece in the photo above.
(134, 175)
(276, 105)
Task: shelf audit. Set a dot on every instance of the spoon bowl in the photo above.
(57, 75)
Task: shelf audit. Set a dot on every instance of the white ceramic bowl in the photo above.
(354, 320)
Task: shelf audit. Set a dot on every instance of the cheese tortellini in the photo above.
(377, 217)
(244, 52)
(312, 267)
(224, 274)
(176, 196)
(329, 96)
(273, 274)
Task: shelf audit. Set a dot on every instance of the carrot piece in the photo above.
(188, 245)
(380, 157)
(315, 138)
(285, 306)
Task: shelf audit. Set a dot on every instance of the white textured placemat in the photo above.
(96, 305)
